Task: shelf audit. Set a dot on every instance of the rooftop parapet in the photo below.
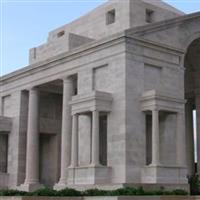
(110, 18)
(65, 42)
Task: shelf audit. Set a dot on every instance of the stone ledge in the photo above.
(162, 100)
(88, 102)
(88, 175)
(164, 175)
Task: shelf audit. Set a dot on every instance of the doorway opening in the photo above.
(103, 139)
(48, 159)
(3, 153)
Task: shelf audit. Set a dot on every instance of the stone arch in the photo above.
(177, 33)
(192, 96)
(190, 40)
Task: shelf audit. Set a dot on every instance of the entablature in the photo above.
(153, 99)
(96, 100)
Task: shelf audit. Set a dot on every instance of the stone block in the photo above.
(89, 175)
(164, 175)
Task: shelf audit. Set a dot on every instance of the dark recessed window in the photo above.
(110, 17)
(149, 16)
(3, 153)
(75, 84)
(60, 34)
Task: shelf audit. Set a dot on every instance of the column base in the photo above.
(60, 186)
(89, 175)
(30, 187)
(164, 175)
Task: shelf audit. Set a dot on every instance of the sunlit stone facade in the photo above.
(106, 102)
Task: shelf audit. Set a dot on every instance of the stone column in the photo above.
(74, 151)
(180, 140)
(66, 133)
(197, 101)
(189, 136)
(1, 106)
(95, 138)
(155, 138)
(32, 153)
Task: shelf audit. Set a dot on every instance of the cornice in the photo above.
(130, 34)
(155, 45)
(154, 95)
(162, 25)
(66, 57)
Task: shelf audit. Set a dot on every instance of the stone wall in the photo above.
(63, 43)
(94, 26)
(130, 13)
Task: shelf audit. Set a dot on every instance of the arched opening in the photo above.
(192, 108)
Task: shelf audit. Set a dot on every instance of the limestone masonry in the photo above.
(106, 102)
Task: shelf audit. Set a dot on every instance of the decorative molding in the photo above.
(153, 99)
(95, 100)
(162, 25)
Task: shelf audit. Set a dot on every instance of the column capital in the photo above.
(180, 112)
(66, 79)
(32, 89)
(95, 110)
(155, 109)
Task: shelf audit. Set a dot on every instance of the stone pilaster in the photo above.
(95, 138)
(180, 140)
(1, 106)
(74, 152)
(155, 138)
(197, 101)
(66, 132)
(189, 136)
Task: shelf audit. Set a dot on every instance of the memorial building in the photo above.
(106, 102)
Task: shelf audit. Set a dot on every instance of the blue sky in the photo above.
(26, 23)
